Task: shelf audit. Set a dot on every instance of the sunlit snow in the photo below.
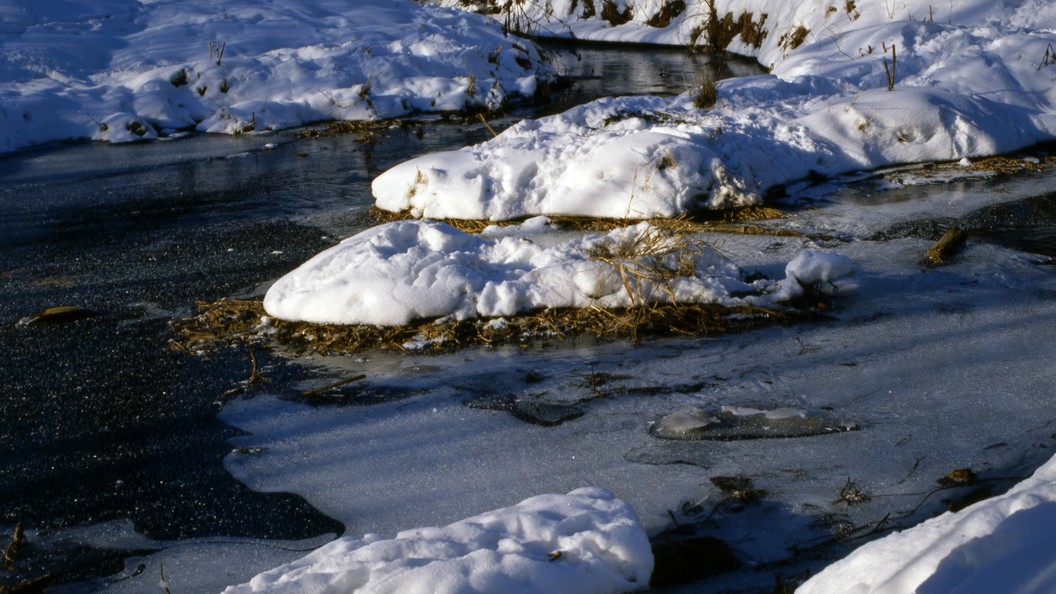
(583, 542)
(979, 82)
(406, 271)
(917, 369)
(125, 70)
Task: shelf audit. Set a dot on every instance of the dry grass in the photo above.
(794, 38)
(234, 322)
(717, 221)
(364, 130)
(707, 95)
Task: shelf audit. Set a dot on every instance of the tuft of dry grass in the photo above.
(794, 38)
(237, 322)
(687, 223)
(707, 95)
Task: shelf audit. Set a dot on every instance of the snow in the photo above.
(584, 542)
(810, 268)
(976, 84)
(1003, 544)
(406, 271)
(124, 70)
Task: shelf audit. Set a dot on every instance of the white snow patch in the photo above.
(123, 70)
(584, 542)
(409, 270)
(810, 268)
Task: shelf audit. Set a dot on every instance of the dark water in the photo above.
(101, 419)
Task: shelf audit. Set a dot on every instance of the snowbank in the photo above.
(979, 82)
(1004, 544)
(409, 270)
(585, 541)
(123, 70)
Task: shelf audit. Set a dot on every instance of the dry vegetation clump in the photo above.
(615, 16)
(719, 221)
(667, 13)
(718, 32)
(731, 221)
(794, 38)
(645, 265)
(364, 130)
(994, 165)
(707, 95)
(233, 322)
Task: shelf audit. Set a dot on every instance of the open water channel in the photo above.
(101, 421)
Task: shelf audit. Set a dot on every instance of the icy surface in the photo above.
(586, 541)
(1004, 544)
(124, 70)
(865, 89)
(936, 369)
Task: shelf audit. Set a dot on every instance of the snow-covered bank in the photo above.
(584, 542)
(122, 70)
(1004, 544)
(860, 88)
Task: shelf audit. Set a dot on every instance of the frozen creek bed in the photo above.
(932, 370)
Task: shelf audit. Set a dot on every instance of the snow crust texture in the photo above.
(123, 70)
(852, 87)
(584, 542)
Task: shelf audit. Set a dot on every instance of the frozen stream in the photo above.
(116, 461)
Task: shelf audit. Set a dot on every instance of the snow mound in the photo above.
(863, 90)
(584, 542)
(634, 158)
(811, 268)
(1003, 544)
(408, 270)
(124, 70)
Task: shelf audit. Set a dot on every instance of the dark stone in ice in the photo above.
(680, 559)
(544, 414)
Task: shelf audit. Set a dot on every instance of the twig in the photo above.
(911, 470)
(1049, 53)
(161, 570)
(890, 71)
(486, 125)
(18, 541)
(338, 384)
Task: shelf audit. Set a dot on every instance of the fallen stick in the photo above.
(945, 248)
(355, 378)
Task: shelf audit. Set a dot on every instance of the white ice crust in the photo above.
(584, 542)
